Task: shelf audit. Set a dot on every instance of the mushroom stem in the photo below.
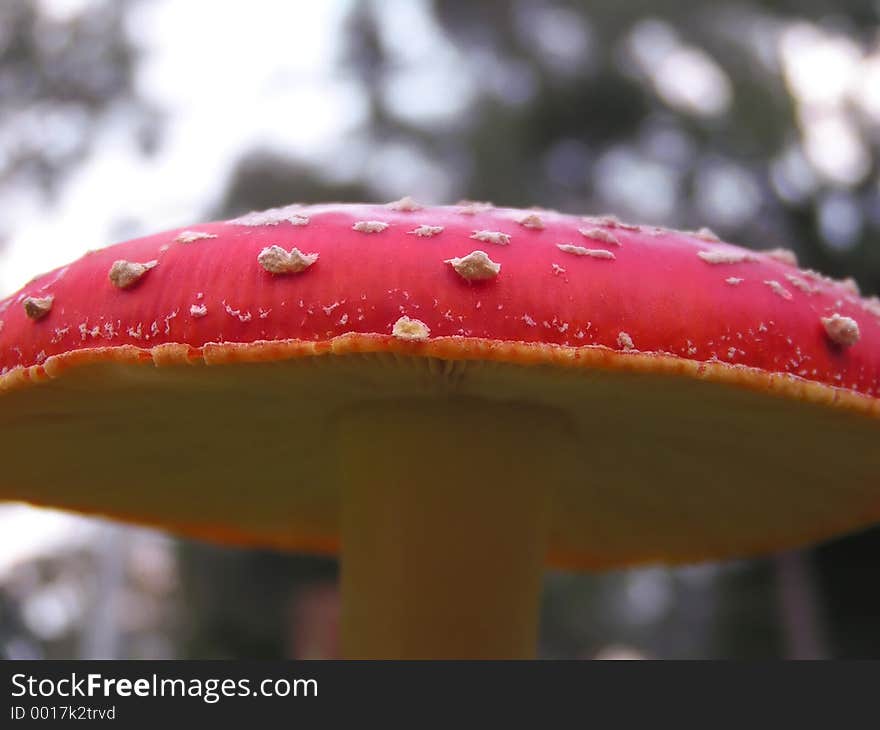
(445, 519)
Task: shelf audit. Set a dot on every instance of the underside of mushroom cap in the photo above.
(723, 402)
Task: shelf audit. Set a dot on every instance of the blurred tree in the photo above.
(59, 74)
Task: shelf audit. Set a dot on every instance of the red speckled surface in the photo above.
(656, 290)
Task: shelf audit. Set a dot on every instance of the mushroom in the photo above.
(449, 436)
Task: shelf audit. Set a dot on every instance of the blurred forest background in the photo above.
(123, 117)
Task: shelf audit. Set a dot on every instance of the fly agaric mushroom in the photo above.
(452, 398)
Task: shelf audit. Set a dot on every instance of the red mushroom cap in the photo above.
(656, 329)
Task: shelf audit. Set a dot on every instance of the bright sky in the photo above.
(29, 532)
